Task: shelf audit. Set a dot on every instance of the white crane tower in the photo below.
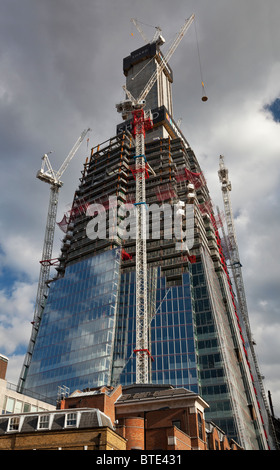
(233, 251)
(53, 178)
(141, 122)
(240, 290)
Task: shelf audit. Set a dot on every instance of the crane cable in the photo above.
(204, 97)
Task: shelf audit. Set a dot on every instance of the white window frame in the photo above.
(10, 401)
(77, 421)
(41, 421)
(18, 406)
(51, 417)
(11, 419)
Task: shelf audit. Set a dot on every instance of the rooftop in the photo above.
(54, 420)
(151, 392)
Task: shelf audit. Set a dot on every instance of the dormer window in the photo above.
(44, 422)
(71, 420)
(14, 423)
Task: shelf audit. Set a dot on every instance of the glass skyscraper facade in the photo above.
(74, 345)
(171, 333)
(86, 337)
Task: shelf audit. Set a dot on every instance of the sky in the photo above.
(61, 72)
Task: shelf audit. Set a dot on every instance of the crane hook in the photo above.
(204, 97)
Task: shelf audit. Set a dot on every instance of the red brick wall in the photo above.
(3, 367)
(102, 401)
(167, 429)
(225, 444)
(214, 440)
(159, 425)
(132, 429)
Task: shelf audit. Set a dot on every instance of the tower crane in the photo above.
(239, 286)
(157, 35)
(141, 122)
(233, 252)
(48, 175)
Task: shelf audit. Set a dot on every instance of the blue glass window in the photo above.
(74, 342)
(171, 335)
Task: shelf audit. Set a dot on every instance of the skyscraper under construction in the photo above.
(196, 334)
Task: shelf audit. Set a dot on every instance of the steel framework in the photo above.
(140, 124)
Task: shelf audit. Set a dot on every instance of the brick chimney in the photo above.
(3, 366)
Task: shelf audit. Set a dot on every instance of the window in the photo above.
(199, 422)
(44, 421)
(14, 423)
(71, 419)
(18, 406)
(26, 407)
(10, 405)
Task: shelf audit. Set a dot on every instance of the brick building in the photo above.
(136, 417)
(84, 429)
(155, 417)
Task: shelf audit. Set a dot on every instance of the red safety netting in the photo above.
(197, 179)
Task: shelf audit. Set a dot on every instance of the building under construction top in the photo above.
(87, 334)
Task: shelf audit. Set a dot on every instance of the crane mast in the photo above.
(239, 284)
(233, 252)
(141, 122)
(141, 350)
(51, 177)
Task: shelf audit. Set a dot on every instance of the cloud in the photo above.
(14, 367)
(20, 256)
(17, 305)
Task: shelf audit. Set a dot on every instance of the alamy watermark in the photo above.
(165, 221)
